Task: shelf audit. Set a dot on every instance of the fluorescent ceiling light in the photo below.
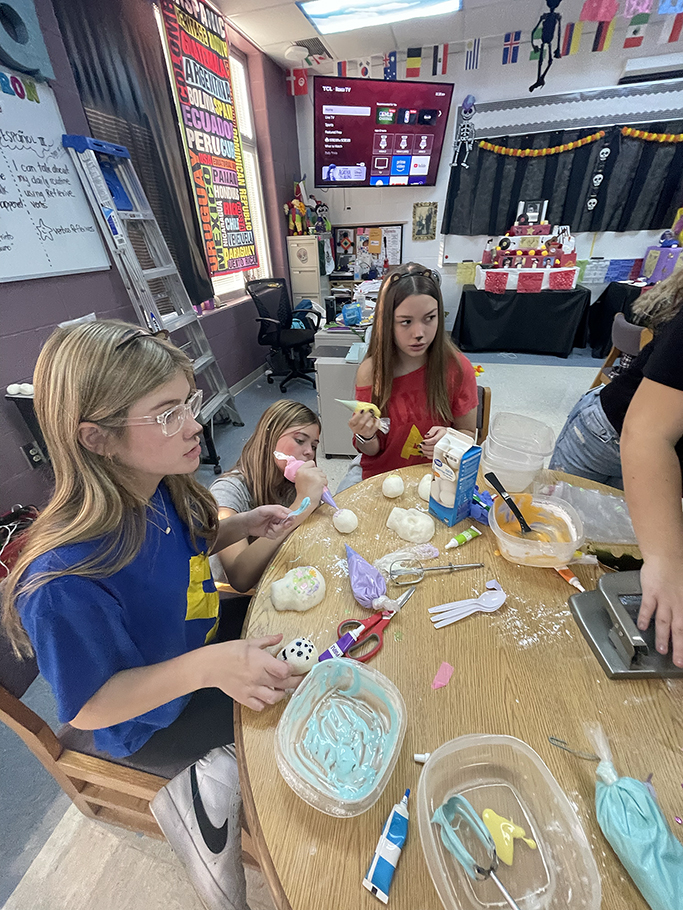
(330, 16)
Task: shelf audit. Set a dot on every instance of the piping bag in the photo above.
(293, 465)
(358, 406)
(368, 585)
(631, 820)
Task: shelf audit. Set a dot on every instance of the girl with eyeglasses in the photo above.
(413, 373)
(113, 590)
(289, 428)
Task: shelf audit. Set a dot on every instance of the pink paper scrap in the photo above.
(443, 674)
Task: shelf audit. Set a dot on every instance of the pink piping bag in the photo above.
(368, 584)
(293, 465)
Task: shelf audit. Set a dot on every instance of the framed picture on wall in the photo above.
(532, 212)
(424, 220)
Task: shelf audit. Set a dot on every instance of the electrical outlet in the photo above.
(33, 454)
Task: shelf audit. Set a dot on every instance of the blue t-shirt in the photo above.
(84, 630)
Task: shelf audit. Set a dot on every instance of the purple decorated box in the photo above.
(660, 262)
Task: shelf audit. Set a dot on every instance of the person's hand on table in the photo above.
(430, 440)
(662, 586)
(310, 481)
(365, 424)
(246, 672)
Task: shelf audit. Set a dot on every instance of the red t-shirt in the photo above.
(410, 418)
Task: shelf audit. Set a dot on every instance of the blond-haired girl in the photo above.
(113, 590)
(289, 428)
(413, 373)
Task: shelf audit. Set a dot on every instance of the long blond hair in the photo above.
(658, 305)
(399, 284)
(86, 373)
(256, 464)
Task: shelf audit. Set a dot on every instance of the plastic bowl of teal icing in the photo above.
(505, 775)
(339, 737)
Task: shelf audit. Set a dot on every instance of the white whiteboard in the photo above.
(46, 224)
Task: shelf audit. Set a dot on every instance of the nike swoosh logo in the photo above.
(214, 838)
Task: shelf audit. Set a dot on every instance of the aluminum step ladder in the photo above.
(148, 271)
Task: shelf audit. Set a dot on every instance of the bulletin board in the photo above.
(378, 241)
(46, 225)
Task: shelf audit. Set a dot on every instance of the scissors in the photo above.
(371, 629)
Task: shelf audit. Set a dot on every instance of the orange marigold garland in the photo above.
(540, 153)
(651, 137)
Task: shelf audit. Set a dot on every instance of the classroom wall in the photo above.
(491, 82)
(30, 310)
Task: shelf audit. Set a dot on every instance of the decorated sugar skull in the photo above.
(301, 654)
(300, 589)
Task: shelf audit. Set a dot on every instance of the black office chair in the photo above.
(271, 298)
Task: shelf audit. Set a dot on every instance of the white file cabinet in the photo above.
(335, 378)
(304, 268)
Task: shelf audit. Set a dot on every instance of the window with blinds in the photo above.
(245, 122)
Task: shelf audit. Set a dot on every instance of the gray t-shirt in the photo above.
(230, 492)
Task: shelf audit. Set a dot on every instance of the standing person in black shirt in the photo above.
(652, 459)
(588, 444)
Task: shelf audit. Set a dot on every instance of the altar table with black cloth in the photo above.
(549, 322)
(616, 298)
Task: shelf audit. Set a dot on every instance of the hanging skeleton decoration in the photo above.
(466, 131)
(549, 23)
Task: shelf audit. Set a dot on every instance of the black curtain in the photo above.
(116, 55)
(642, 185)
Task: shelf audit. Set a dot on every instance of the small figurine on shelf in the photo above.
(297, 222)
(322, 224)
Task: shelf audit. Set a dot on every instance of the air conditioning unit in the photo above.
(652, 69)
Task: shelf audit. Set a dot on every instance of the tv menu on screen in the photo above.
(372, 132)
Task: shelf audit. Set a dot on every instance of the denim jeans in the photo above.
(588, 444)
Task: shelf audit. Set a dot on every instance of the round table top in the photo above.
(525, 671)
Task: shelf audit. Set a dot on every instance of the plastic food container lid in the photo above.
(523, 433)
(339, 737)
(506, 775)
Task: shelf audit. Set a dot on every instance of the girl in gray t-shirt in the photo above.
(258, 479)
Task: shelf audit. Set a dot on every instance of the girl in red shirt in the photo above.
(413, 373)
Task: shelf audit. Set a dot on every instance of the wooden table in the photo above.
(525, 671)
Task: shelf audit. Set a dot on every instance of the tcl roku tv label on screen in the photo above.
(371, 132)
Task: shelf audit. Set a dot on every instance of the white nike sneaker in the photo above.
(199, 812)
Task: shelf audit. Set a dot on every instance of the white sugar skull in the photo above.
(301, 655)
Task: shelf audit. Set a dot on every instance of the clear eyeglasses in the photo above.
(171, 421)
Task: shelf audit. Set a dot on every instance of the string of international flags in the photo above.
(433, 59)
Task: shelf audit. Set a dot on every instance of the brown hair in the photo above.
(403, 282)
(257, 465)
(95, 372)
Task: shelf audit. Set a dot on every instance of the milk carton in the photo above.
(454, 466)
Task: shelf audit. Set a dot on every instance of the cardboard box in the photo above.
(454, 466)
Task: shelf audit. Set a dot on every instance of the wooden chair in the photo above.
(627, 339)
(100, 789)
(483, 413)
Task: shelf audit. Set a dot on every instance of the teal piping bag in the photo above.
(631, 820)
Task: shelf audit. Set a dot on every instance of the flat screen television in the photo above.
(376, 132)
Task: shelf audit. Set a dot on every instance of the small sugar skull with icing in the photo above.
(301, 654)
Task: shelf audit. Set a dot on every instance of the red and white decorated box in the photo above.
(532, 258)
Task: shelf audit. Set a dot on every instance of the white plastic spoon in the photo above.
(489, 602)
(487, 598)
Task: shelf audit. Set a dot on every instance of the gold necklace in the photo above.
(167, 529)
